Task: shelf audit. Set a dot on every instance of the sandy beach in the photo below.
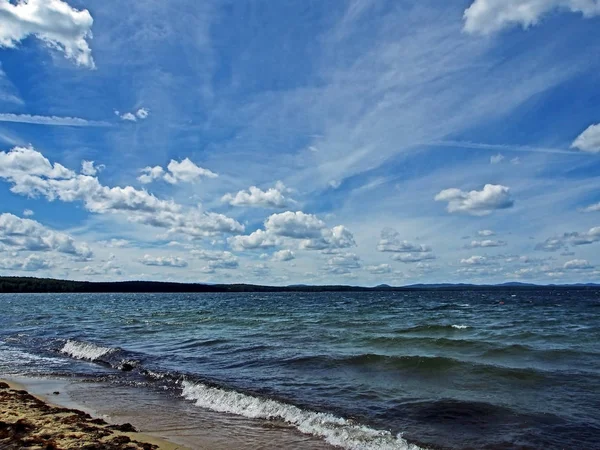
(33, 422)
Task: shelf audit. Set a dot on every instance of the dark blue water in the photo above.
(458, 370)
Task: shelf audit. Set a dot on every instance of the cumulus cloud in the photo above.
(577, 264)
(283, 255)
(257, 239)
(29, 235)
(574, 238)
(550, 245)
(30, 264)
(589, 140)
(592, 208)
(311, 231)
(28, 213)
(489, 16)
(53, 22)
(217, 260)
(342, 264)
(164, 261)
(413, 257)
(149, 174)
(271, 198)
(486, 233)
(484, 243)
(476, 203)
(51, 120)
(140, 114)
(475, 261)
(88, 168)
(33, 175)
(391, 242)
(177, 171)
(379, 269)
(186, 171)
(497, 159)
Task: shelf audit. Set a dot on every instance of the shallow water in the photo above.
(443, 369)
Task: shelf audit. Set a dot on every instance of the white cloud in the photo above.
(484, 243)
(216, 260)
(88, 168)
(592, 208)
(413, 257)
(379, 269)
(115, 243)
(54, 22)
(257, 239)
(288, 226)
(475, 261)
(28, 213)
(149, 174)
(573, 238)
(31, 174)
(342, 264)
(30, 264)
(140, 114)
(29, 235)
(272, 198)
(589, 140)
(497, 159)
(551, 245)
(185, 171)
(295, 225)
(283, 255)
(476, 203)
(486, 233)
(489, 16)
(51, 120)
(577, 264)
(336, 238)
(390, 242)
(165, 261)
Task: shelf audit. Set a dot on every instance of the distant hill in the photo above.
(44, 285)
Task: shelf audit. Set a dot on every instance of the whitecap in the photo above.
(85, 350)
(334, 430)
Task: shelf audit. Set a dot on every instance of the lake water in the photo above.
(426, 369)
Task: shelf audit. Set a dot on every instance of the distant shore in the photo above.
(31, 421)
(50, 285)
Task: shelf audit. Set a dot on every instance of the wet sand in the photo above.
(164, 420)
(32, 422)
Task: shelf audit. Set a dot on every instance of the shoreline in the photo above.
(169, 423)
(34, 420)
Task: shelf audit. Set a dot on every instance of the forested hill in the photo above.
(41, 285)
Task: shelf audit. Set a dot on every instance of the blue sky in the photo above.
(354, 142)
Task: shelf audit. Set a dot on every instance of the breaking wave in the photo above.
(334, 430)
(85, 350)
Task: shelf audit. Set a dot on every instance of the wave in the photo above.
(334, 430)
(85, 350)
(432, 328)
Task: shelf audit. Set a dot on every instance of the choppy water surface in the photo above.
(439, 369)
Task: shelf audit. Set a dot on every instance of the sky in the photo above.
(351, 142)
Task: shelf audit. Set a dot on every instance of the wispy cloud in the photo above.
(52, 120)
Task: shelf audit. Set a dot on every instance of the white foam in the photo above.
(334, 430)
(460, 327)
(85, 350)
